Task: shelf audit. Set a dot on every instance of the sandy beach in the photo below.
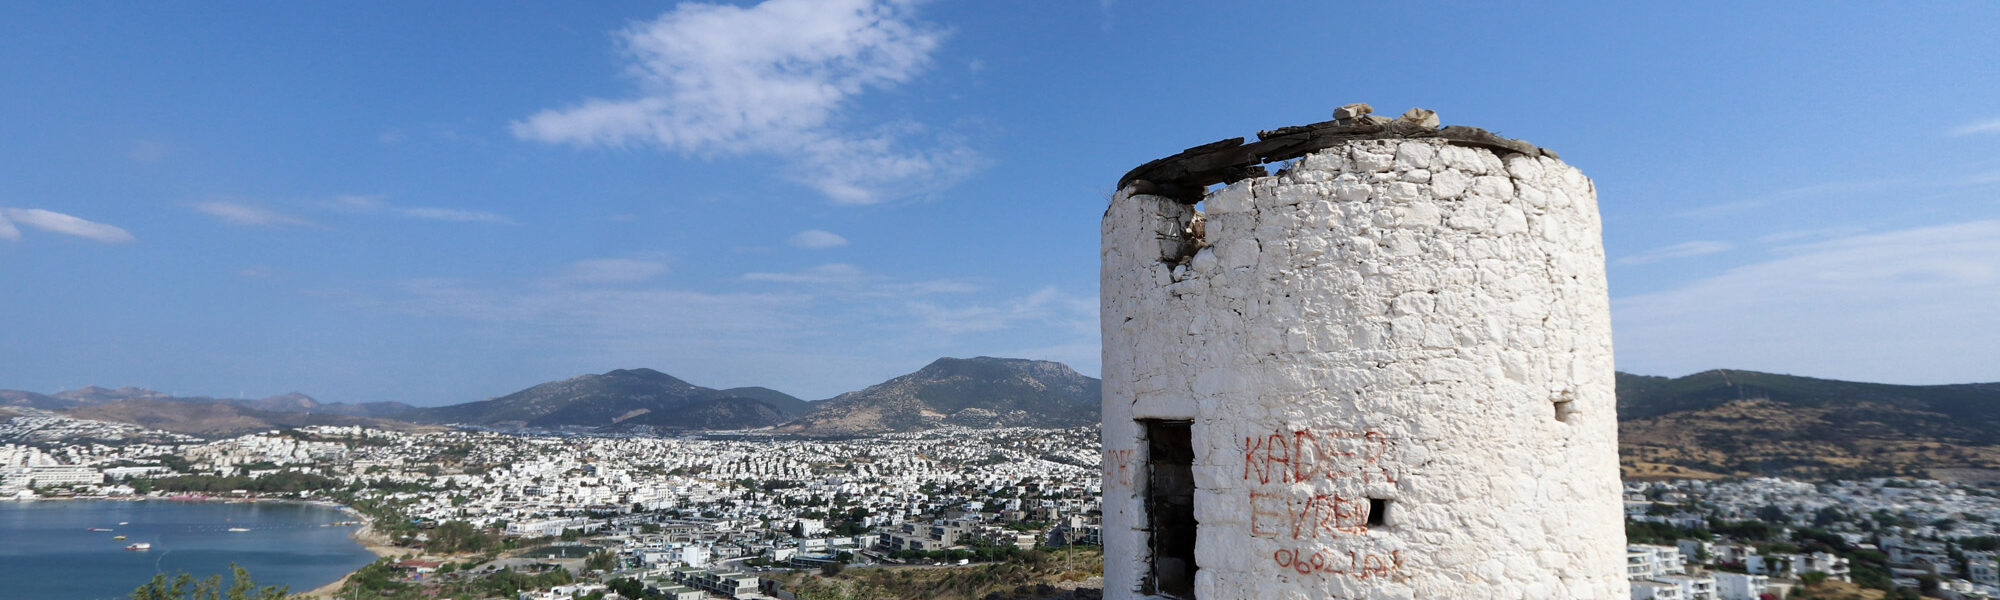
(375, 543)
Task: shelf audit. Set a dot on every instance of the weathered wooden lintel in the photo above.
(1187, 175)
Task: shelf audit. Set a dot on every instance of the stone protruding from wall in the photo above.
(1396, 358)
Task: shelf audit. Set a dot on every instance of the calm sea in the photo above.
(47, 552)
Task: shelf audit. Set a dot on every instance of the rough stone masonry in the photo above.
(1382, 372)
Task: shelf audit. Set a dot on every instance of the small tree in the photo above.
(602, 560)
(185, 587)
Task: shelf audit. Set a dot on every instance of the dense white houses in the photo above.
(724, 504)
(1922, 527)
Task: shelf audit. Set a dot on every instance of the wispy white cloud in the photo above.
(146, 151)
(359, 202)
(883, 165)
(1912, 306)
(451, 214)
(380, 204)
(1046, 304)
(778, 78)
(606, 315)
(854, 283)
(826, 273)
(1794, 235)
(1812, 191)
(613, 270)
(1980, 178)
(237, 213)
(12, 219)
(1680, 250)
(817, 239)
(1979, 127)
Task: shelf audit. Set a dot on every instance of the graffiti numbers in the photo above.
(1358, 564)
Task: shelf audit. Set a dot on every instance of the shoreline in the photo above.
(369, 540)
(363, 536)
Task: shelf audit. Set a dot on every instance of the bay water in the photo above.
(48, 552)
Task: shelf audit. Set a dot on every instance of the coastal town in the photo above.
(728, 514)
(693, 513)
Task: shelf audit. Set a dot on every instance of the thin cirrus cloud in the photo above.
(237, 213)
(1681, 250)
(1989, 126)
(1044, 305)
(376, 204)
(823, 274)
(778, 78)
(1815, 191)
(252, 215)
(452, 214)
(613, 270)
(13, 219)
(1906, 306)
(815, 239)
(852, 282)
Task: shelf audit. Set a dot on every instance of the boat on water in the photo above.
(117, 537)
(99, 529)
(140, 546)
(239, 529)
(124, 522)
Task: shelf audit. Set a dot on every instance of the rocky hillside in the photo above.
(33, 400)
(1748, 423)
(622, 399)
(212, 419)
(980, 392)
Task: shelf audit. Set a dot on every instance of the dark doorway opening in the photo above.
(1170, 507)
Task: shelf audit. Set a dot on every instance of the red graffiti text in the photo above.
(1304, 455)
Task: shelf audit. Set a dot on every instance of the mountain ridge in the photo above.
(1726, 422)
(91, 395)
(979, 391)
(214, 419)
(1721, 422)
(620, 398)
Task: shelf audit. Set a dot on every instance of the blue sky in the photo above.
(437, 202)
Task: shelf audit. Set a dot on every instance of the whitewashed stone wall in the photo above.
(1411, 321)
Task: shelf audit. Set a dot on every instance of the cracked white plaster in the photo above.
(1387, 320)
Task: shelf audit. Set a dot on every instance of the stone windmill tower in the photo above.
(1382, 372)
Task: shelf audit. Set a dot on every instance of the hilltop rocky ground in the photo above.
(1733, 423)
